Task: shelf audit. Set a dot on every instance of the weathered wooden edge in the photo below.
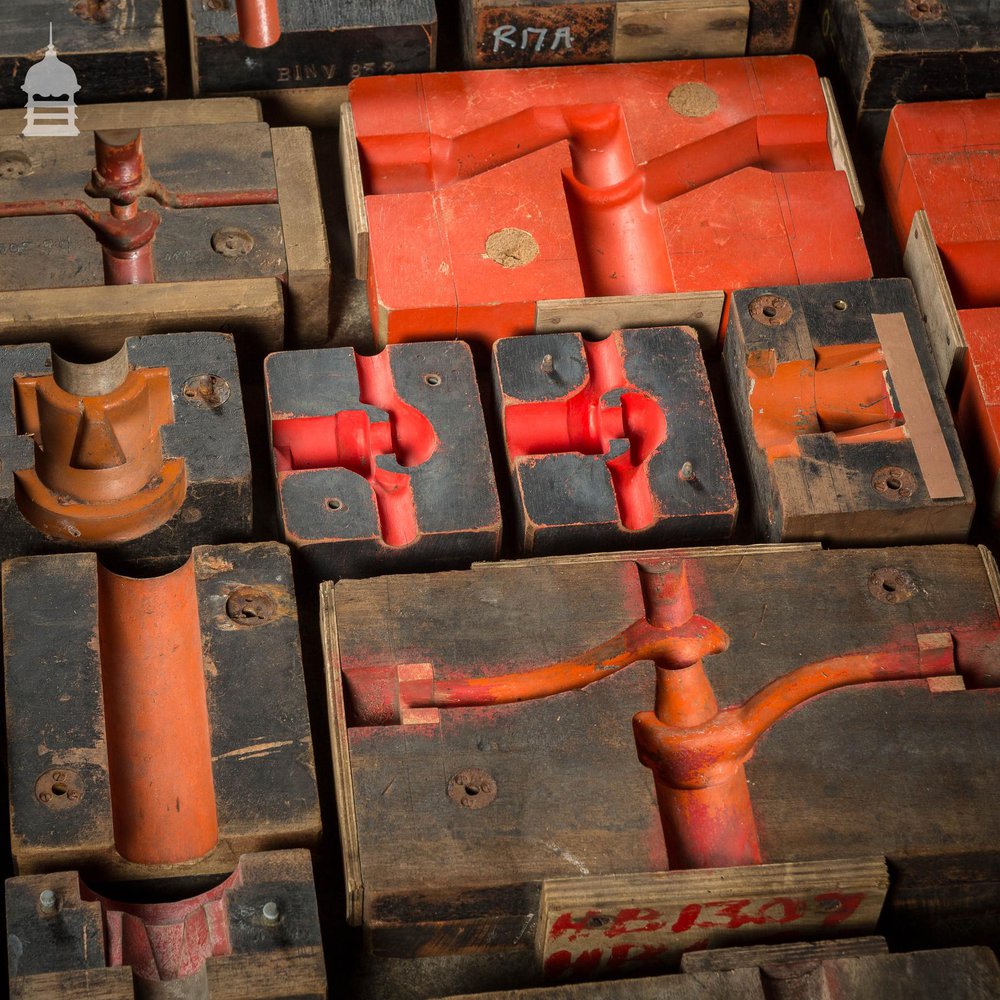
(599, 316)
(922, 264)
(291, 972)
(719, 959)
(692, 28)
(605, 894)
(836, 139)
(638, 555)
(354, 192)
(307, 251)
(101, 318)
(150, 114)
(992, 574)
(347, 817)
(94, 984)
(314, 107)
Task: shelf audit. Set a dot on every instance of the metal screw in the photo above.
(269, 911)
(232, 242)
(250, 606)
(48, 901)
(432, 379)
(210, 391)
(687, 473)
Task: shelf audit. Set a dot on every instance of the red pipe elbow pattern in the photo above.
(696, 752)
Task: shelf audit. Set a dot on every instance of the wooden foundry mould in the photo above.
(488, 204)
(528, 820)
(382, 462)
(843, 419)
(156, 727)
(145, 453)
(860, 968)
(911, 50)
(255, 935)
(116, 52)
(262, 45)
(526, 33)
(611, 443)
(939, 170)
(106, 232)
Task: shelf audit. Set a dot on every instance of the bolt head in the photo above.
(269, 911)
(48, 900)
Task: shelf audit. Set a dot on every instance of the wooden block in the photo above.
(523, 33)
(938, 169)
(243, 181)
(839, 150)
(843, 419)
(589, 926)
(601, 316)
(381, 463)
(923, 266)
(225, 623)
(95, 322)
(837, 968)
(60, 950)
(117, 52)
(322, 44)
(773, 26)
(679, 29)
(307, 252)
(611, 444)
(721, 959)
(354, 192)
(468, 239)
(135, 114)
(197, 441)
(905, 51)
(430, 876)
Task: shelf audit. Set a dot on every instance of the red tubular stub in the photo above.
(156, 717)
(260, 24)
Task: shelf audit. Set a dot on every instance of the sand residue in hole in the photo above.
(511, 247)
(693, 100)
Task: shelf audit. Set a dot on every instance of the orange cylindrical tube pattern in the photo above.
(156, 717)
(709, 827)
(260, 26)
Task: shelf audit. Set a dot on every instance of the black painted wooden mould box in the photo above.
(232, 233)
(845, 425)
(323, 43)
(263, 937)
(156, 726)
(562, 807)
(116, 49)
(145, 454)
(612, 443)
(911, 50)
(382, 462)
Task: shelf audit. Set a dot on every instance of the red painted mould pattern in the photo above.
(844, 390)
(944, 158)
(352, 440)
(487, 192)
(126, 232)
(166, 942)
(696, 750)
(583, 423)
